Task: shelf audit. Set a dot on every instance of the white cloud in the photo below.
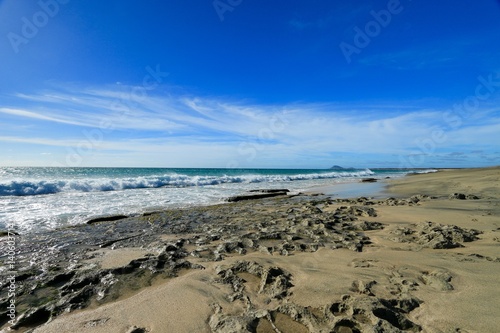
(197, 131)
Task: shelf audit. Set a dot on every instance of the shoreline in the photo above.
(38, 199)
(256, 265)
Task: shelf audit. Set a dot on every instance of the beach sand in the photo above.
(380, 265)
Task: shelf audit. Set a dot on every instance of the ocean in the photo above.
(34, 199)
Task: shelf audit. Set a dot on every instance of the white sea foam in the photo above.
(39, 199)
(47, 186)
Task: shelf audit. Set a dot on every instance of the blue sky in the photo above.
(240, 83)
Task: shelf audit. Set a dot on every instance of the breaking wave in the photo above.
(40, 187)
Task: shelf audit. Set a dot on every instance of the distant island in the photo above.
(338, 167)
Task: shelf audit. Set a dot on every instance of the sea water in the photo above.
(34, 199)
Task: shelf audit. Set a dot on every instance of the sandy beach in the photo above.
(425, 258)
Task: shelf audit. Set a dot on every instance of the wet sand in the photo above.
(425, 260)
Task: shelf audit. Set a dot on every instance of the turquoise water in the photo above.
(35, 199)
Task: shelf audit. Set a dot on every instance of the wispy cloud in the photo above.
(35, 115)
(190, 128)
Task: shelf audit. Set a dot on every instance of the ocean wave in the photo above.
(424, 171)
(41, 187)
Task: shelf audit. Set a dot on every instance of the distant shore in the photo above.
(424, 257)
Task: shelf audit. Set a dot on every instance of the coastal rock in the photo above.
(135, 329)
(435, 235)
(359, 312)
(107, 219)
(273, 281)
(413, 200)
(258, 194)
(304, 224)
(462, 196)
(32, 317)
(439, 280)
(459, 196)
(272, 190)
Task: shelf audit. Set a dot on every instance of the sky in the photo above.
(250, 83)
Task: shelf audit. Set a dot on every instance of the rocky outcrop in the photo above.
(461, 196)
(361, 311)
(258, 194)
(435, 235)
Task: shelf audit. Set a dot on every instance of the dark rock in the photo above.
(106, 219)
(435, 235)
(60, 279)
(405, 305)
(135, 329)
(365, 225)
(368, 180)
(273, 190)
(346, 325)
(395, 319)
(459, 196)
(32, 317)
(256, 195)
(4, 233)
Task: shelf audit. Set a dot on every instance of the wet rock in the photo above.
(61, 269)
(60, 279)
(107, 219)
(260, 194)
(32, 317)
(274, 190)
